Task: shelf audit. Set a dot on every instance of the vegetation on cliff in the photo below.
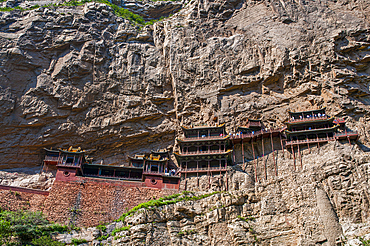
(119, 11)
(172, 199)
(27, 228)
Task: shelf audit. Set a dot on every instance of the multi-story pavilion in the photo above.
(314, 127)
(204, 150)
(306, 127)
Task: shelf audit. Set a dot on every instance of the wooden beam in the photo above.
(227, 182)
(300, 156)
(186, 169)
(209, 177)
(263, 158)
(292, 146)
(281, 143)
(273, 153)
(308, 144)
(255, 163)
(198, 174)
(234, 152)
(243, 153)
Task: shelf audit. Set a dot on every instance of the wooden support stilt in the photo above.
(227, 182)
(349, 140)
(293, 157)
(263, 158)
(281, 142)
(300, 156)
(273, 153)
(255, 163)
(234, 153)
(243, 154)
(308, 144)
(198, 174)
(209, 177)
(186, 181)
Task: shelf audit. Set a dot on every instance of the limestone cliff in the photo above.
(82, 76)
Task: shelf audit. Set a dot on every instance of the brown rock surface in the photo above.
(91, 79)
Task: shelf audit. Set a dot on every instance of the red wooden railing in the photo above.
(203, 138)
(347, 133)
(308, 119)
(309, 140)
(160, 173)
(203, 169)
(339, 121)
(257, 133)
(203, 152)
(51, 158)
(77, 165)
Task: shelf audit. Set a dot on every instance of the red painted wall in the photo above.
(66, 174)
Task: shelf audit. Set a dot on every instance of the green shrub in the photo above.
(172, 199)
(102, 227)
(125, 228)
(46, 240)
(364, 242)
(21, 227)
(76, 241)
(101, 238)
(119, 11)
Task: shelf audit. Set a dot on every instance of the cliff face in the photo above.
(82, 76)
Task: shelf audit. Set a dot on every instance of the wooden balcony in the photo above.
(308, 119)
(308, 141)
(264, 132)
(191, 139)
(207, 152)
(51, 160)
(75, 165)
(345, 135)
(203, 170)
(339, 121)
(160, 174)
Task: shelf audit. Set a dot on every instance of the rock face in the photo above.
(42, 181)
(82, 76)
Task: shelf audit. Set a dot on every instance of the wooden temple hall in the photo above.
(204, 150)
(310, 128)
(303, 129)
(152, 170)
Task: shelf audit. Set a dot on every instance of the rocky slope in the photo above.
(82, 76)
(42, 181)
